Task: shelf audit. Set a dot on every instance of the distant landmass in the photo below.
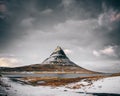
(56, 62)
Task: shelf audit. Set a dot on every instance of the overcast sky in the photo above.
(87, 30)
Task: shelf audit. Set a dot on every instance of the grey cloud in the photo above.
(47, 11)
(109, 19)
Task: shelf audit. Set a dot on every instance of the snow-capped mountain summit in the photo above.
(58, 57)
(58, 51)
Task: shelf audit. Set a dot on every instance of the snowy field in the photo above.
(106, 85)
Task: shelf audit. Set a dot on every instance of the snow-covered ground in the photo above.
(106, 85)
(17, 89)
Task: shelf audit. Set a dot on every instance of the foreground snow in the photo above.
(17, 89)
(106, 85)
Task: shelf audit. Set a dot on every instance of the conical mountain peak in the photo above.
(58, 57)
(58, 52)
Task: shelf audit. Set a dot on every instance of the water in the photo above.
(70, 75)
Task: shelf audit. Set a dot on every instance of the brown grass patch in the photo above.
(55, 81)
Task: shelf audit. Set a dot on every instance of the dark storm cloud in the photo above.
(33, 14)
(12, 12)
(20, 10)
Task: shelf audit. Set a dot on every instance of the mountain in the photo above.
(58, 57)
(56, 62)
